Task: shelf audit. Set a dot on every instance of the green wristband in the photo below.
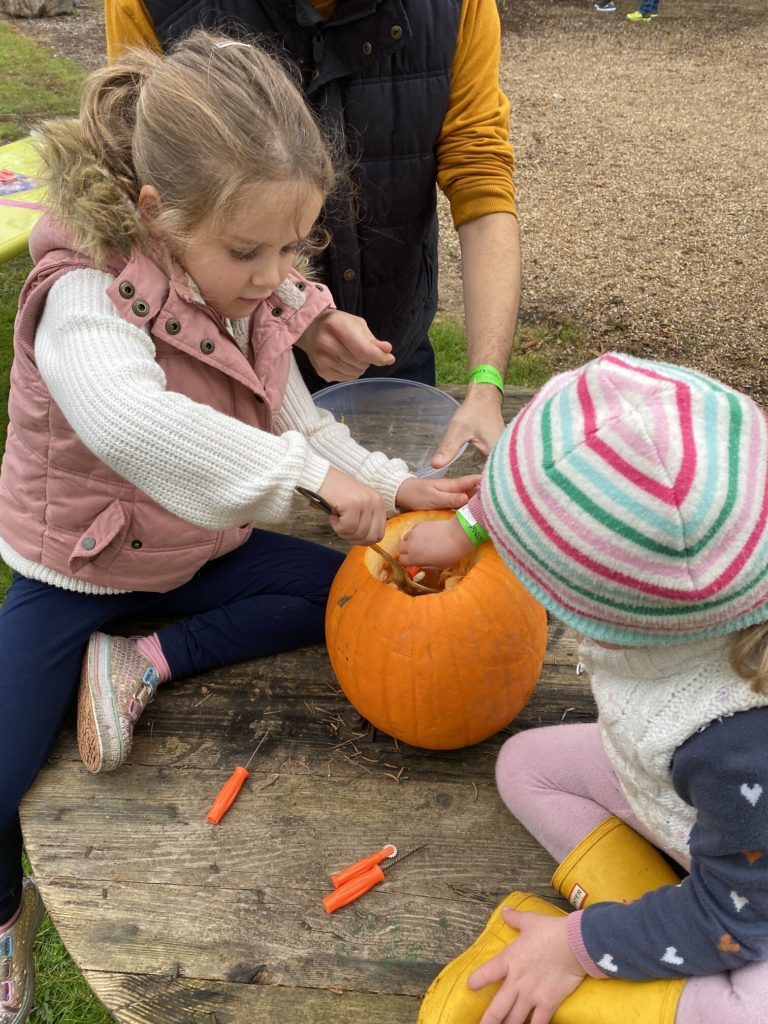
(476, 533)
(486, 374)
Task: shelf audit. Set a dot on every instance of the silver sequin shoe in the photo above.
(116, 684)
(17, 969)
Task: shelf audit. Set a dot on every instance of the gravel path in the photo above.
(642, 175)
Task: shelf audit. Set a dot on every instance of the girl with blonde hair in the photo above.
(158, 422)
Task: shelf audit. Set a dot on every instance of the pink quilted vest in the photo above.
(63, 507)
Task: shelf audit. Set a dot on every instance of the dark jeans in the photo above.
(265, 597)
(419, 366)
(649, 7)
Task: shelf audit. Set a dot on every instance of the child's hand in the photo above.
(425, 492)
(362, 516)
(340, 346)
(438, 545)
(537, 971)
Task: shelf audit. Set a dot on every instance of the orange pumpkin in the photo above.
(440, 670)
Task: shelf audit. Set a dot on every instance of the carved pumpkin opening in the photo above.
(437, 580)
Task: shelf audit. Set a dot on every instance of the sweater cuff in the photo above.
(579, 950)
(475, 506)
(314, 472)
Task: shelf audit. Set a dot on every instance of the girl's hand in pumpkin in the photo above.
(416, 493)
(537, 971)
(362, 515)
(438, 544)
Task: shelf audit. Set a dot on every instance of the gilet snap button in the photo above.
(126, 289)
(136, 544)
(349, 274)
(277, 311)
(207, 346)
(396, 32)
(140, 307)
(367, 49)
(89, 543)
(172, 326)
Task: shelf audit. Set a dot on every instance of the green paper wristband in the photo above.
(476, 533)
(486, 374)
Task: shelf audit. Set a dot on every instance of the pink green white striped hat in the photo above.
(631, 498)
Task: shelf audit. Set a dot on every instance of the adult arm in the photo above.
(475, 170)
(127, 23)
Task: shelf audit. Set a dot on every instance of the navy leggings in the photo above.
(265, 597)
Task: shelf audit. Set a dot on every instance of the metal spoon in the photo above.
(402, 578)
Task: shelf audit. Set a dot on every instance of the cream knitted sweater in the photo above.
(101, 372)
(650, 700)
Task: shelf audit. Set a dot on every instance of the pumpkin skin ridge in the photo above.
(447, 671)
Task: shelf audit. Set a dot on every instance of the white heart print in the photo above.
(671, 957)
(751, 793)
(738, 901)
(606, 963)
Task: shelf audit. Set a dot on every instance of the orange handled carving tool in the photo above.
(363, 880)
(228, 792)
(390, 850)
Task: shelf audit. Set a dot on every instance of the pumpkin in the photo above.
(441, 670)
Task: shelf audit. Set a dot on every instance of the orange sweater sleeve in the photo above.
(475, 159)
(128, 24)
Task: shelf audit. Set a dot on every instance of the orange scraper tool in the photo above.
(361, 876)
(228, 792)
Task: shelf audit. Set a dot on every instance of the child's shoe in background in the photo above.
(17, 969)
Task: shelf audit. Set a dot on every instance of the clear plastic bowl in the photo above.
(402, 418)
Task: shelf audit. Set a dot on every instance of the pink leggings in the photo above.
(559, 784)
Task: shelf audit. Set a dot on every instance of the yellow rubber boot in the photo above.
(449, 1000)
(613, 864)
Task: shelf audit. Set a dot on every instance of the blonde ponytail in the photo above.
(749, 656)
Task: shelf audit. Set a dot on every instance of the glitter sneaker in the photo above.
(116, 684)
(17, 969)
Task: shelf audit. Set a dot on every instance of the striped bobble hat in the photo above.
(631, 498)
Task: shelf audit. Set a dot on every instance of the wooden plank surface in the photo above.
(174, 920)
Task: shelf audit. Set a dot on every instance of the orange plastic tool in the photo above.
(363, 880)
(390, 850)
(228, 792)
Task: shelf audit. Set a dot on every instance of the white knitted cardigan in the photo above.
(650, 700)
(101, 372)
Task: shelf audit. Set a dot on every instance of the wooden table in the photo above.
(175, 921)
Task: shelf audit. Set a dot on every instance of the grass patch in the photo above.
(36, 84)
(541, 349)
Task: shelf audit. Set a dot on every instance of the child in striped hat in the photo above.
(631, 497)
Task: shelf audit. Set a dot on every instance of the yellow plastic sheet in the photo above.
(19, 210)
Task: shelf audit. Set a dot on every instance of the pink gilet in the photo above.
(60, 505)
